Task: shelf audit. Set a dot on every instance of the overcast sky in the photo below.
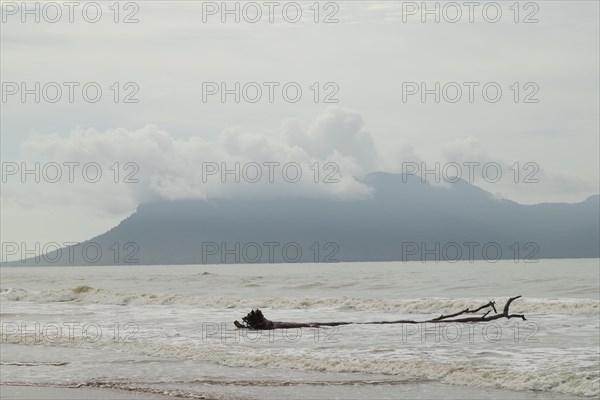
(366, 61)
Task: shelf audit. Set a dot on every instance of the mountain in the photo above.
(405, 219)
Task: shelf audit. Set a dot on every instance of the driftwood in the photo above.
(256, 320)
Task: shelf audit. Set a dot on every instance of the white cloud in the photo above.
(519, 176)
(175, 168)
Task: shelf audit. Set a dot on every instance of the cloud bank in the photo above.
(327, 158)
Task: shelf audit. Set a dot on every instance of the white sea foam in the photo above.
(555, 351)
(87, 294)
(581, 383)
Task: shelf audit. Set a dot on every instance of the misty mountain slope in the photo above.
(401, 221)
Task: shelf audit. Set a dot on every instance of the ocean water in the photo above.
(169, 330)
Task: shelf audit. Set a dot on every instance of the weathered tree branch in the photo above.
(256, 320)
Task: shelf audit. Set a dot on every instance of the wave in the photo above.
(475, 374)
(87, 294)
(35, 363)
(124, 386)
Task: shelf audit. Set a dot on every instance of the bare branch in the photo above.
(256, 320)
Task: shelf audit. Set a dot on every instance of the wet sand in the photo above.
(52, 393)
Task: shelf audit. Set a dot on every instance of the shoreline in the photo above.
(23, 392)
(429, 390)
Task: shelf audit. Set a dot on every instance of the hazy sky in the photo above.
(368, 61)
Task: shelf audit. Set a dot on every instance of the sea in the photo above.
(168, 330)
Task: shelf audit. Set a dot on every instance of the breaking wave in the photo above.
(87, 294)
(581, 383)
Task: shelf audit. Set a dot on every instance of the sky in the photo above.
(360, 96)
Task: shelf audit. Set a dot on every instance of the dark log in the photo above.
(256, 320)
